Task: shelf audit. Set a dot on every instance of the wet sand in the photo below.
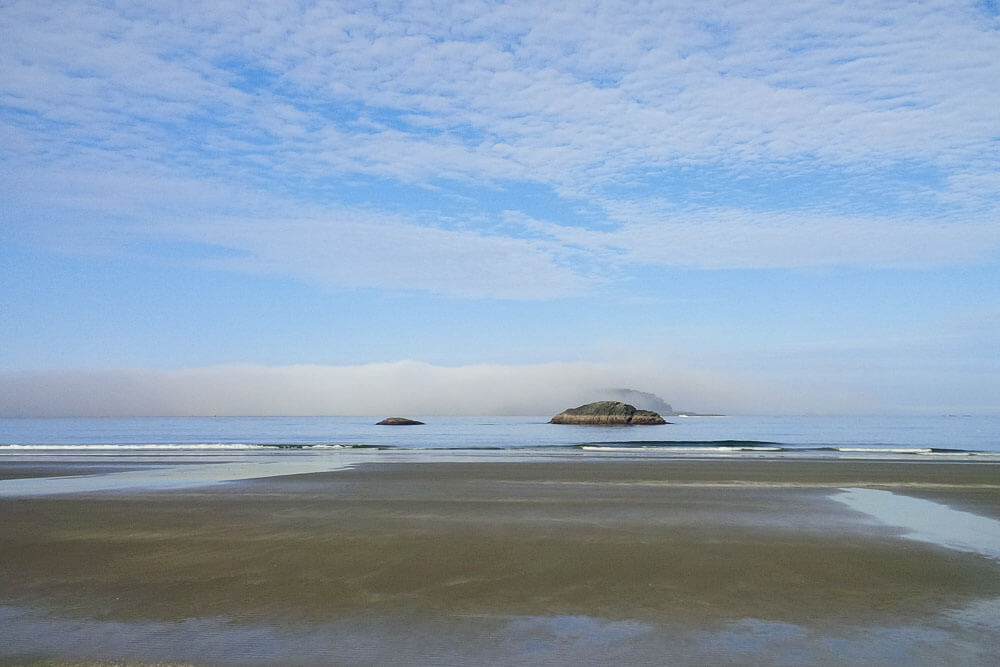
(516, 563)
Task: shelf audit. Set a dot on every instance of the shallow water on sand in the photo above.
(927, 521)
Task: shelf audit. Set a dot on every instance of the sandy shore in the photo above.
(443, 561)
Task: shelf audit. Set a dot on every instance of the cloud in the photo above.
(333, 246)
(734, 238)
(523, 258)
(614, 86)
(253, 122)
(358, 249)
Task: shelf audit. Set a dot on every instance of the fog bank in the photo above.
(404, 388)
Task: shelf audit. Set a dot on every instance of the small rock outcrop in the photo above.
(607, 413)
(399, 421)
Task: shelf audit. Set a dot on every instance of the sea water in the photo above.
(851, 437)
(178, 452)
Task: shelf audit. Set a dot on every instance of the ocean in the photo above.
(179, 452)
(965, 437)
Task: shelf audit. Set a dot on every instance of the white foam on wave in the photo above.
(914, 451)
(889, 450)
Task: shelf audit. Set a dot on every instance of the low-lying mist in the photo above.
(404, 388)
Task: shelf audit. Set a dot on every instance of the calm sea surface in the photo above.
(903, 437)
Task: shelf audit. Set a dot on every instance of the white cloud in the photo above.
(733, 239)
(659, 235)
(355, 249)
(618, 86)
(259, 101)
(338, 247)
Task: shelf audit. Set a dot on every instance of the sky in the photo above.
(491, 207)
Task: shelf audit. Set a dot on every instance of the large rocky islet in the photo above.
(608, 413)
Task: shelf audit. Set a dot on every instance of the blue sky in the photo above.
(739, 206)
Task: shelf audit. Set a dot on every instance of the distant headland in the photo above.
(645, 400)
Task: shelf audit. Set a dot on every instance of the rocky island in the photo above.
(608, 413)
(399, 421)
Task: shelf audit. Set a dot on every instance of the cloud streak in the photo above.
(254, 123)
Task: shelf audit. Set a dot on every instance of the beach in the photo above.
(731, 561)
